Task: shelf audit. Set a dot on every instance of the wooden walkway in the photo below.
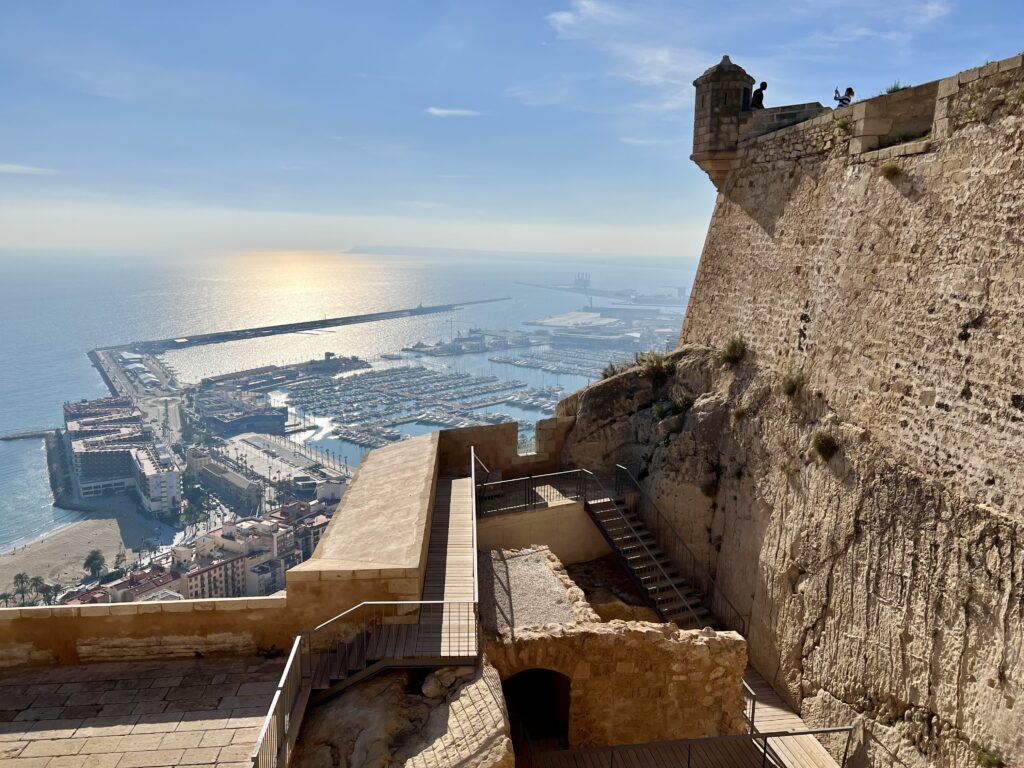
(773, 714)
(698, 753)
(450, 629)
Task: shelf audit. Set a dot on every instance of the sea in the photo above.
(55, 307)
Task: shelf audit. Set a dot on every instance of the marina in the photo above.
(381, 406)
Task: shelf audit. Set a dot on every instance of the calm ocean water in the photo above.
(55, 308)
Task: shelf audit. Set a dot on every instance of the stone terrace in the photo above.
(202, 712)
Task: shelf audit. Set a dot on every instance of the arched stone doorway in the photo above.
(537, 701)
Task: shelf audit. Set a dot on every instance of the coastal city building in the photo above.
(240, 492)
(111, 450)
(227, 414)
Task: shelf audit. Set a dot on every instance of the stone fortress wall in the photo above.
(900, 298)
(875, 254)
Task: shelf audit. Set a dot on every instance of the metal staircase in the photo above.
(635, 546)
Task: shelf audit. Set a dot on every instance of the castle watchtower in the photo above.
(723, 96)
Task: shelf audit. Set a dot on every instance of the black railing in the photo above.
(507, 496)
(686, 562)
(595, 492)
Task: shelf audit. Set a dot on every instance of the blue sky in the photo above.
(562, 125)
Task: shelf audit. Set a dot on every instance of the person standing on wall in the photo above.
(757, 100)
(845, 99)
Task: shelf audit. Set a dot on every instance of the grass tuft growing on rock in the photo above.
(989, 758)
(735, 349)
(890, 170)
(683, 404)
(792, 384)
(654, 365)
(896, 86)
(825, 444)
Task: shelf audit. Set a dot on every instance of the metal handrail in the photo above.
(529, 489)
(472, 479)
(712, 591)
(273, 735)
(752, 696)
(696, 619)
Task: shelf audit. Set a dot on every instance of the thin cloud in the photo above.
(635, 42)
(25, 170)
(445, 112)
(426, 205)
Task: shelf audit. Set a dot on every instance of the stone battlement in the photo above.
(724, 129)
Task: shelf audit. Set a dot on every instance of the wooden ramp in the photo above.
(450, 629)
(772, 714)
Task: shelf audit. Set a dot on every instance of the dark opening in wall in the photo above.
(538, 712)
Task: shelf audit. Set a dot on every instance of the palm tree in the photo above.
(150, 547)
(21, 585)
(6, 597)
(38, 584)
(94, 563)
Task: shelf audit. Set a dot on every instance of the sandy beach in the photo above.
(58, 557)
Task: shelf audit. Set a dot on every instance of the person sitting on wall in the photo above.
(845, 99)
(757, 100)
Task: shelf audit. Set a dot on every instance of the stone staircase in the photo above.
(675, 599)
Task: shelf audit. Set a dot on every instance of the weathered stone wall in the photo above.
(872, 591)
(634, 682)
(900, 298)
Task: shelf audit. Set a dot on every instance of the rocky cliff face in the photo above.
(874, 592)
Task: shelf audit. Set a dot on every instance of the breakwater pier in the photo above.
(27, 434)
(162, 345)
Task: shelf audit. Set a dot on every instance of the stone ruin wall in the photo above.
(634, 681)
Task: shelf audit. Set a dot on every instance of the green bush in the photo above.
(890, 170)
(792, 384)
(609, 370)
(825, 444)
(113, 575)
(683, 404)
(735, 349)
(659, 411)
(989, 758)
(896, 86)
(844, 124)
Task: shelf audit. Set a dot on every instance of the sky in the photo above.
(522, 125)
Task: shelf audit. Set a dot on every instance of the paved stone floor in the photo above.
(202, 713)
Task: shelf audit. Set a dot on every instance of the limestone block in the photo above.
(861, 144)
(948, 86)
(1014, 62)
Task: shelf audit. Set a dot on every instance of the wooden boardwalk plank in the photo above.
(773, 714)
(449, 630)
